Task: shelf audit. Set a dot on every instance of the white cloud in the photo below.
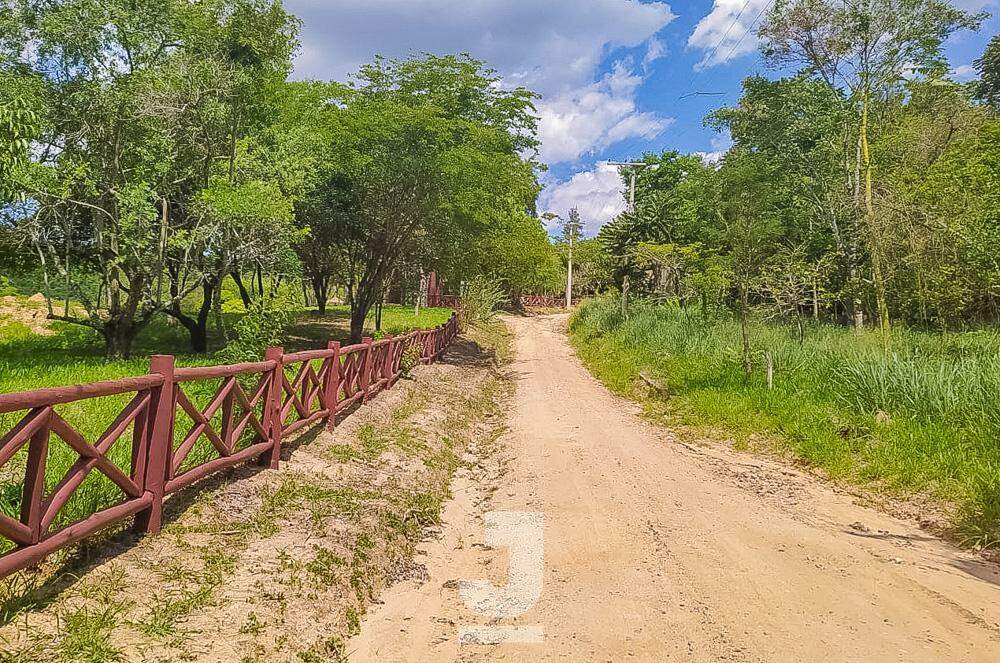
(710, 158)
(965, 72)
(596, 193)
(655, 50)
(592, 117)
(725, 33)
(720, 145)
(551, 46)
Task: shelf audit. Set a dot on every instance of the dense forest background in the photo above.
(862, 188)
(157, 163)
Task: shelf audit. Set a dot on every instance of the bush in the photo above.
(6, 287)
(264, 325)
(410, 358)
(481, 301)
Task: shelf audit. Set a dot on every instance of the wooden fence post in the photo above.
(159, 442)
(331, 385)
(275, 391)
(389, 362)
(395, 356)
(366, 370)
(33, 490)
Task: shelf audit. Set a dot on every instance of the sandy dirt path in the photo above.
(655, 550)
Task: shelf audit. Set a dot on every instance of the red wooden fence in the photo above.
(543, 301)
(256, 406)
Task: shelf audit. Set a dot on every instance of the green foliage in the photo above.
(923, 420)
(481, 300)
(410, 359)
(264, 325)
(518, 253)
(20, 122)
(422, 169)
(987, 88)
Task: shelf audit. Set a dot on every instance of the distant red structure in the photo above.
(437, 298)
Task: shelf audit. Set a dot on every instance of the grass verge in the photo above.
(923, 418)
(276, 565)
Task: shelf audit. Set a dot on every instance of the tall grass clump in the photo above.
(923, 418)
(481, 300)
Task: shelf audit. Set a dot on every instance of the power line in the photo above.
(749, 28)
(728, 30)
(732, 50)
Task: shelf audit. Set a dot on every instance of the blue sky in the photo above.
(618, 77)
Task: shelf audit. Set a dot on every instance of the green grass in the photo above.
(922, 418)
(74, 355)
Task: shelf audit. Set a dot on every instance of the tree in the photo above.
(799, 125)
(428, 154)
(518, 253)
(987, 88)
(671, 208)
(571, 229)
(865, 48)
(146, 104)
(748, 213)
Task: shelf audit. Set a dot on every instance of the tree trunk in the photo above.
(118, 339)
(198, 327)
(320, 287)
(876, 242)
(358, 315)
(244, 293)
(745, 332)
(815, 300)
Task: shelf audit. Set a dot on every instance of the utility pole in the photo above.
(636, 166)
(570, 229)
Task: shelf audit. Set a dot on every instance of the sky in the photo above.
(617, 77)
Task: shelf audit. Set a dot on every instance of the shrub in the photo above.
(410, 358)
(6, 287)
(264, 325)
(482, 299)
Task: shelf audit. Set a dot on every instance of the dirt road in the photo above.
(659, 551)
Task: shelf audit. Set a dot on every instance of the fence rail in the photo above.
(543, 301)
(255, 407)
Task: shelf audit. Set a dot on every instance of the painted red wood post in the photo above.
(227, 415)
(159, 442)
(275, 391)
(387, 361)
(33, 490)
(366, 370)
(331, 385)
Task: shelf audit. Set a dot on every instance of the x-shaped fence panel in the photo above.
(245, 417)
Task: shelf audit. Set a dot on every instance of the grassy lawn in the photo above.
(74, 355)
(924, 418)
